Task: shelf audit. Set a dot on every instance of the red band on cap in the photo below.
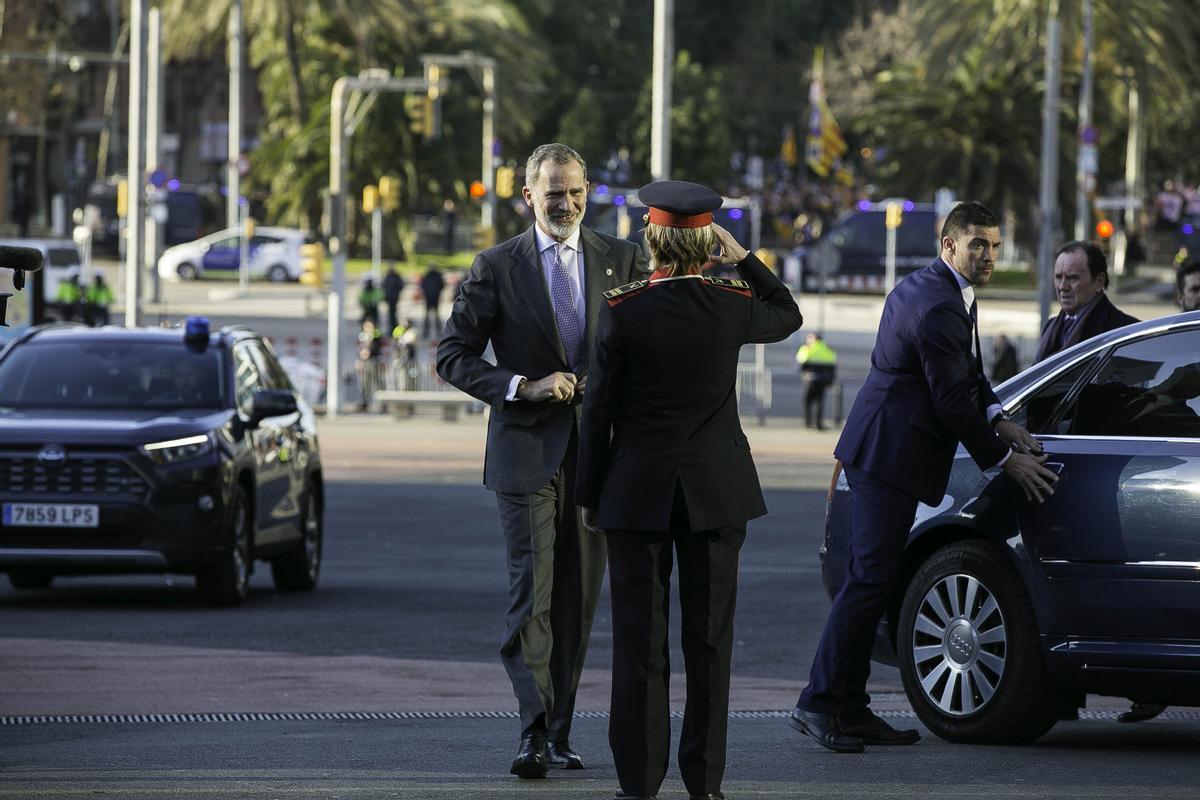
(669, 220)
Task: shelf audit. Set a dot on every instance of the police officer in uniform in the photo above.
(665, 470)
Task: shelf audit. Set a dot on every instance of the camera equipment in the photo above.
(20, 260)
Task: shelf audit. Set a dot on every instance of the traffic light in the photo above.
(478, 190)
(421, 114)
(122, 198)
(504, 182)
(892, 215)
(1104, 229)
(389, 192)
(310, 263)
(370, 199)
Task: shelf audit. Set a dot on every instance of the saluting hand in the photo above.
(1018, 438)
(731, 251)
(1035, 479)
(557, 387)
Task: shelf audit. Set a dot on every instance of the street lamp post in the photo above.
(339, 137)
(660, 120)
(1048, 213)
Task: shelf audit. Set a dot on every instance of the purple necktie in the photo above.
(563, 294)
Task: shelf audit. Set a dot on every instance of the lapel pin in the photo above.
(608, 272)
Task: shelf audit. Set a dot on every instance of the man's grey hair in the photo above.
(555, 152)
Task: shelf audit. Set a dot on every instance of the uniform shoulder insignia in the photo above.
(614, 296)
(730, 284)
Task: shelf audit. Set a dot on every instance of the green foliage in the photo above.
(701, 131)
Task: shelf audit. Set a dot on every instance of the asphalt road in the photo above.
(384, 682)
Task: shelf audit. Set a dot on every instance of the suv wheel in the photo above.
(297, 571)
(278, 274)
(30, 580)
(186, 271)
(969, 652)
(227, 583)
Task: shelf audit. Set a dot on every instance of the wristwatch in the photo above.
(1003, 416)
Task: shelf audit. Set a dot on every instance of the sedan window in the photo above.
(1038, 414)
(1148, 388)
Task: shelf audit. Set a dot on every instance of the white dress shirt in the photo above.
(572, 258)
(968, 295)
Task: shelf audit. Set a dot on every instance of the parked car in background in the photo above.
(191, 213)
(60, 260)
(1008, 612)
(274, 254)
(146, 450)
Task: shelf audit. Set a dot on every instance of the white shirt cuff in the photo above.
(993, 410)
(512, 387)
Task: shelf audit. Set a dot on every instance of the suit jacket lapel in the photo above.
(530, 286)
(599, 275)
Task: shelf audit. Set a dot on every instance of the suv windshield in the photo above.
(110, 374)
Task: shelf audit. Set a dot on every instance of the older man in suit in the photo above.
(1080, 278)
(537, 298)
(925, 393)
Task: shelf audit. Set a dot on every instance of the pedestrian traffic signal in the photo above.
(370, 199)
(1104, 229)
(504, 182)
(389, 192)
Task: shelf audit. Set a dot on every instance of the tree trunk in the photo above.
(299, 110)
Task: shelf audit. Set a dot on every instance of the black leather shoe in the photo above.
(563, 756)
(533, 758)
(1140, 712)
(875, 730)
(823, 729)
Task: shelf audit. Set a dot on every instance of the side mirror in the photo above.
(272, 403)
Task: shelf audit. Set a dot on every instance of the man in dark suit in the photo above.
(925, 393)
(432, 284)
(665, 467)
(537, 298)
(1080, 278)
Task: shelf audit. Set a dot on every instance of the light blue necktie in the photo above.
(562, 292)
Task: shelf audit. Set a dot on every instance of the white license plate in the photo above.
(51, 515)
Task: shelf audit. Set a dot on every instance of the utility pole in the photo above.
(660, 115)
(156, 219)
(1086, 165)
(338, 158)
(233, 179)
(136, 216)
(1048, 212)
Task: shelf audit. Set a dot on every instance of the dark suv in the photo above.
(150, 450)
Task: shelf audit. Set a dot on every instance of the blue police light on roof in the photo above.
(909, 205)
(735, 213)
(619, 200)
(1189, 229)
(864, 205)
(196, 327)
(601, 190)
(173, 185)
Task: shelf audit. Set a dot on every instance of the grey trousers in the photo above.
(555, 571)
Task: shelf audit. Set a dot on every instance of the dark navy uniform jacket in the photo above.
(925, 392)
(660, 407)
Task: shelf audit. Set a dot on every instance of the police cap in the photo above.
(679, 204)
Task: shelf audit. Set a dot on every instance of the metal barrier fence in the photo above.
(754, 391)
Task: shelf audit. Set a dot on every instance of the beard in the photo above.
(561, 228)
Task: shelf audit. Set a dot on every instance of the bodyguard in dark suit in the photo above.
(1080, 278)
(536, 298)
(664, 468)
(925, 393)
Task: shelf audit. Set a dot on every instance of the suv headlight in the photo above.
(173, 450)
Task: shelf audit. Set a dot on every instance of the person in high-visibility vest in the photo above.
(368, 299)
(97, 299)
(818, 364)
(68, 296)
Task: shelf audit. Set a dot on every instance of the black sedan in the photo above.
(1008, 612)
(149, 450)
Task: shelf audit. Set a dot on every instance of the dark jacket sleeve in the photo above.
(774, 315)
(600, 405)
(943, 344)
(460, 359)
